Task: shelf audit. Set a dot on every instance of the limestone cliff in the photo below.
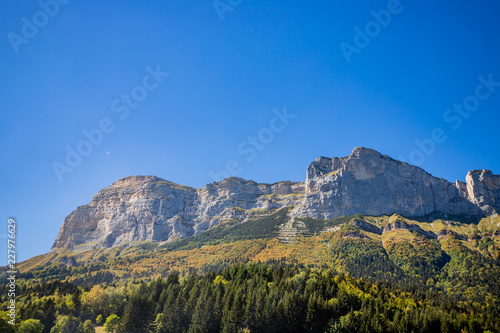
(483, 189)
(370, 183)
(148, 208)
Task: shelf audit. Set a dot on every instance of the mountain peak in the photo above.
(149, 208)
(134, 180)
(364, 151)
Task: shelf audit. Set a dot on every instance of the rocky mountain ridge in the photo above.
(370, 183)
(148, 208)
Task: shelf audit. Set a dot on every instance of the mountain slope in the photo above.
(390, 248)
(408, 230)
(453, 261)
(148, 208)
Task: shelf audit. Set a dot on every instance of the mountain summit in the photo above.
(148, 208)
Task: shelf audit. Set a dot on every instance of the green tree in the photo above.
(138, 313)
(104, 301)
(99, 320)
(232, 312)
(202, 319)
(4, 323)
(65, 324)
(30, 326)
(111, 324)
(174, 318)
(76, 299)
(86, 327)
(158, 323)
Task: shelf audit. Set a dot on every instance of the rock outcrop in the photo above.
(366, 226)
(148, 208)
(483, 189)
(410, 227)
(369, 183)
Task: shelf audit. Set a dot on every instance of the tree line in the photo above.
(249, 298)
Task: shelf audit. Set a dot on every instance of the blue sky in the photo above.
(89, 63)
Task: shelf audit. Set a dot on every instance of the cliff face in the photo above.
(483, 189)
(148, 208)
(370, 183)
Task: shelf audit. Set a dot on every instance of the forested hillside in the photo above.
(254, 298)
(271, 273)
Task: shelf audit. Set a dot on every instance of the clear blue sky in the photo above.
(225, 79)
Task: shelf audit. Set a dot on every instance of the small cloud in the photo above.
(107, 153)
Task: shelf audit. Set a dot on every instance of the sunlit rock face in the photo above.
(148, 208)
(370, 183)
(483, 189)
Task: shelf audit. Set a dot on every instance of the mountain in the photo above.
(148, 208)
(365, 244)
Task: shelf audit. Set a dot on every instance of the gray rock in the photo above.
(370, 183)
(483, 189)
(411, 227)
(148, 208)
(363, 225)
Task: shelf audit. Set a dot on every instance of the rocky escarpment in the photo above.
(148, 208)
(410, 227)
(363, 225)
(369, 183)
(483, 189)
